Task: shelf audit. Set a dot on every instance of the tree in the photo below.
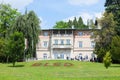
(91, 24)
(75, 23)
(70, 24)
(28, 24)
(33, 23)
(61, 25)
(16, 46)
(103, 37)
(7, 18)
(81, 24)
(2, 48)
(115, 48)
(107, 60)
(113, 6)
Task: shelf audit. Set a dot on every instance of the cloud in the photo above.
(83, 2)
(18, 4)
(85, 16)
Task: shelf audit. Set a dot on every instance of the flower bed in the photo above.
(68, 64)
(57, 64)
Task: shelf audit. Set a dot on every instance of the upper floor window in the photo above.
(56, 42)
(92, 44)
(80, 44)
(62, 42)
(68, 41)
(45, 44)
(80, 33)
(45, 33)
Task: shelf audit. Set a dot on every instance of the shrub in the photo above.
(107, 60)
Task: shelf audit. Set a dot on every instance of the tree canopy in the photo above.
(7, 19)
(16, 46)
(113, 6)
(28, 24)
(76, 24)
(104, 36)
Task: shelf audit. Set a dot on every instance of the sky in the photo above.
(52, 11)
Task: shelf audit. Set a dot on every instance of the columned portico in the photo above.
(61, 53)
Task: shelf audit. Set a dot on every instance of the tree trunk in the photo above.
(13, 63)
(7, 59)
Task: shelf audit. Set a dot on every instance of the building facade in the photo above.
(65, 44)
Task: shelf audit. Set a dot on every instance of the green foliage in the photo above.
(91, 24)
(7, 18)
(103, 37)
(61, 25)
(28, 24)
(70, 24)
(115, 48)
(107, 60)
(113, 6)
(77, 24)
(2, 47)
(16, 46)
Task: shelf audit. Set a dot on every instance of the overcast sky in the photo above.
(51, 11)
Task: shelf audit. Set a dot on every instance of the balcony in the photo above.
(62, 46)
(84, 49)
(59, 35)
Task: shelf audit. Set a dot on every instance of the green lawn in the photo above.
(77, 71)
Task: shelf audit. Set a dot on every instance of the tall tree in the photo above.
(104, 36)
(91, 24)
(70, 24)
(8, 16)
(113, 6)
(33, 23)
(75, 23)
(80, 23)
(28, 24)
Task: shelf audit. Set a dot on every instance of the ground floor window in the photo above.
(58, 56)
(61, 56)
(45, 56)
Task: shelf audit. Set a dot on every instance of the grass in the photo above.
(78, 71)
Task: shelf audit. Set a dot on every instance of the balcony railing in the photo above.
(56, 35)
(62, 46)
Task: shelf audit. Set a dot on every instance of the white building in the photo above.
(65, 44)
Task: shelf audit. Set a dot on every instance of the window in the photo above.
(80, 33)
(80, 44)
(56, 42)
(55, 56)
(62, 42)
(44, 56)
(45, 44)
(61, 56)
(45, 33)
(86, 57)
(92, 44)
(68, 41)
